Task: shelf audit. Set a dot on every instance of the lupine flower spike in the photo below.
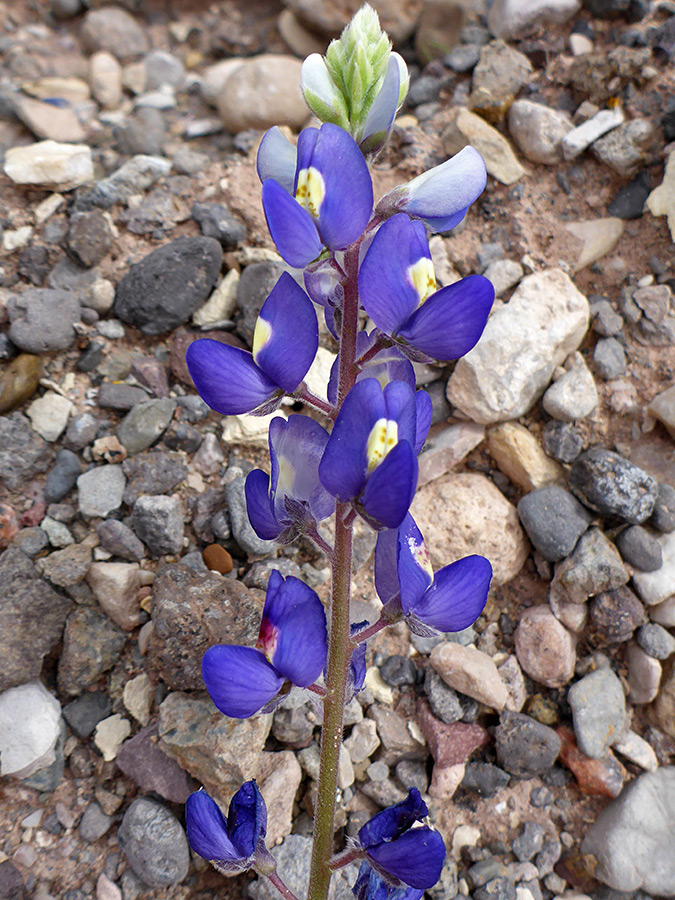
(449, 600)
(291, 648)
(371, 455)
(397, 286)
(235, 844)
(292, 500)
(233, 381)
(371, 886)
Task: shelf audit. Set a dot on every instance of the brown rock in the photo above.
(9, 525)
(397, 17)
(520, 456)
(68, 567)
(464, 514)
(604, 776)
(279, 778)
(192, 611)
(19, 381)
(116, 586)
(91, 645)
(664, 708)
(452, 744)
(217, 559)
(500, 73)
(616, 614)
(142, 760)
(397, 741)
(545, 648)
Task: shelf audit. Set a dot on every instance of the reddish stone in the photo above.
(9, 525)
(141, 759)
(217, 559)
(604, 776)
(151, 374)
(182, 340)
(34, 515)
(449, 744)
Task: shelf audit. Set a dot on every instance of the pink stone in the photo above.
(453, 744)
(34, 515)
(545, 648)
(604, 776)
(8, 525)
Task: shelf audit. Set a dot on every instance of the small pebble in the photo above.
(656, 641)
(217, 559)
(639, 548)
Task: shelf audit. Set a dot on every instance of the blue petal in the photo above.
(442, 195)
(457, 596)
(386, 291)
(258, 506)
(371, 886)
(239, 679)
(386, 564)
(322, 283)
(357, 666)
(294, 610)
(227, 378)
(416, 858)
(276, 159)
(291, 334)
(388, 365)
(292, 228)
(207, 829)
(348, 201)
(296, 448)
(343, 469)
(415, 574)
(247, 818)
(393, 821)
(452, 320)
(425, 411)
(306, 143)
(391, 488)
(381, 114)
(401, 406)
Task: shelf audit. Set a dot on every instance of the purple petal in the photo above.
(390, 488)
(371, 886)
(292, 228)
(457, 596)
(416, 858)
(415, 574)
(348, 200)
(296, 448)
(322, 283)
(425, 411)
(343, 469)
(227, 378)
(286, 335)
(393, 821)
(258, 506)
(402, 408)
(451, 322)
(388, 365)
(239, 679)
(247, 819)
(385, 287)
(442, 195)
(276, 159)
(207, 829)
(295, 613)
(386, 565)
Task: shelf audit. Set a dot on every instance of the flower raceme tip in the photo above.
(286, 338)
(291, 647)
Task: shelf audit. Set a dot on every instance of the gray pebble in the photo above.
(613, 486)
(216, 221)
(462, 58)
(616, 614)
(525, 747)
(656, 641)
(663, 517)
(561, 441)
(90, 237)
(62, 477)
(554, 520)
(444, 701)
(598, 711)
(412, 773)
(43, 320)
(609, 358)
(548, 856)
(637, 546)
(484, 778)
(606, 321)
(398, 670)
(118, 539)
(119, 396)
(31, 541)
(84, 713)
(242, 531)
(82, 429)
(145, 423)
(158, 522)
(100, 490)
(529, 841)
(94, 823)
(154, 843)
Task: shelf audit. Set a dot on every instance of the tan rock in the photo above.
(661, 201)
(545, 648)
(464, 514)
(664, 708)
(471, 672)
(597, 237)
(54, 123)
(279, 778)
(662, 407)
(447, 448)
(105, 77)
(137, 697)
(116, 587)
(261, 92)
(520, 456)
(468, 128)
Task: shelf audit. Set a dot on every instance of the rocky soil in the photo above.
(131, 224)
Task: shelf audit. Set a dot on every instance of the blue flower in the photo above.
(285, 342)
(232, 845)
(400, 853)
(450, 600)
(397, 287)
(293, 499)
(324, 200)
(371, 455)
(388, 364)
(441, 196)
(371, 886)
(291, 647)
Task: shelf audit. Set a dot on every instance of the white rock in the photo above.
(661, 201)
(317, 377)
(538, 131)
(471, 672)
(57, 533)
(597, 236)
(105, 78)
(221, 304)
(214, 78)
(573, 396)
(110, 734)
(504, 274)
(49, 164)
(581, 137)
(509, 18)
(30, 725)
(664, 613)
(115, 586)
(100, 490)
(49, 415)
(47, 208)
(637, 750)
(655, 587)
(502, 377)
(249, 430)
(579, 44)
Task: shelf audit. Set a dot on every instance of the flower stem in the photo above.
(368, 632)
(310, 399)
(340, 645)
(322, 544)
(281, 887)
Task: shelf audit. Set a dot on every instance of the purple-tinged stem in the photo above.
(369, 631)
(322, 544)
(310, 399)
(281, 887)
(317, 689)
(347, 856)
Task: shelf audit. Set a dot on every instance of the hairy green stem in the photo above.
(340, 645)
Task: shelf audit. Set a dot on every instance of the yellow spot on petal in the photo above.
(422, 277)
(261, 336)
(286, 477)
(383, 437)
(311, 190)
(421, 555)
